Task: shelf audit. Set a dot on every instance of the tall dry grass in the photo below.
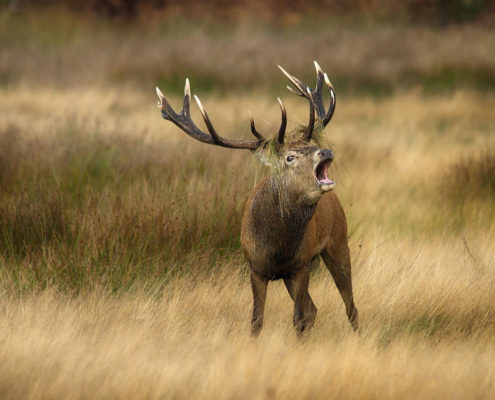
(427, 332)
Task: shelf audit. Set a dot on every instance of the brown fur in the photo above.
(282, 242)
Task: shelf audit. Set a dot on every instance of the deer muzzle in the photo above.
(323, 158)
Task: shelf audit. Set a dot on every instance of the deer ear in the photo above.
(262, 155)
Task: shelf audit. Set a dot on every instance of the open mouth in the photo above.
(321, 175)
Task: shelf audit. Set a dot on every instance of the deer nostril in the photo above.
(325, 153)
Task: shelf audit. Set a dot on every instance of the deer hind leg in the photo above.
(258, 285)
(339, 265)
(304, 308)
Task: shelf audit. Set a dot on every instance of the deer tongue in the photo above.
(321, 174)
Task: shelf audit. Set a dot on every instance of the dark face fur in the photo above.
(302, 172)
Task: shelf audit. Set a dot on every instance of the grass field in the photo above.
(121, 274)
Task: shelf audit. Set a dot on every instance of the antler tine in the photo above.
(331, 109)
(311, 123)
(184, 121)
(283, 123)
(301, 87)
(253, 128)
(320, 108)
(293, 91)
(208, 123)
(314, 96)
(281, 129)
(187, 99)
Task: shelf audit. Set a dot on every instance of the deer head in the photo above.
(300, 165)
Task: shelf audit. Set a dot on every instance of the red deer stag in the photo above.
(292, 217)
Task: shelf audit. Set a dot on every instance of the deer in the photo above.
(293, 217)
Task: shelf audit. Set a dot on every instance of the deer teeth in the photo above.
(321, 175)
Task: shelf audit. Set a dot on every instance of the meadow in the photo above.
(121, 274)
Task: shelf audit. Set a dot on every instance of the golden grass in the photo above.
(427, 332)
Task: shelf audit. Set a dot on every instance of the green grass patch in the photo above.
(449, 78)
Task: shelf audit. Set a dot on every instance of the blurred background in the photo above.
(367, 46)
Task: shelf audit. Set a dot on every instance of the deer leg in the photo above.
(315, 262)
(258, 285)
(340, 269)
(304, 308)
(289, 284)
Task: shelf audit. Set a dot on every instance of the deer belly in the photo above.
(275, 266)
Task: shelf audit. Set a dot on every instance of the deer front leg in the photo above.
(339, 265)
(304, 308)
(258, 285)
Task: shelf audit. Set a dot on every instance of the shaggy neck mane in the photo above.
(280, 220)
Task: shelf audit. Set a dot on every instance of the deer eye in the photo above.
(291, 158)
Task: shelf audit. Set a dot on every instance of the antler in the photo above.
(281, 130)
(184, 121)
(315, 97)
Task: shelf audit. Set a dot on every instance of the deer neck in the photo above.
(280, 218)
